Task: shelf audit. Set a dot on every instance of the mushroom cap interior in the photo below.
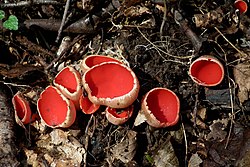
(120, 113)
(98, 59)
(53, 109)
(207, 71)
(109, 80)
(163, 104)
(19, 106)
(87, 106)
(67, 79)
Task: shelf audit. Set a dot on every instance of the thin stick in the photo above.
(63, 20)
(28, 3)
(164, 18)
(242, 53)
(185, 140)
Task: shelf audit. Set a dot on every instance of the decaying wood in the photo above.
(8, 149)
(28, 3)
(196, 41)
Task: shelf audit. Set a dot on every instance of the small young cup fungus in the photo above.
(22, 109)
(68, 81)
(241, 6)
(119, 116)
(111, 84)
(206, 71)
(55, 109)
(161, 107)
(87, 106)
(92, 60)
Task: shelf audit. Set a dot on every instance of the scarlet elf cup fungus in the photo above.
(118, 117)
(111, 84)
(93, 60)
(241, 6)
(87, 106)
(161, 107)
(55, 109)
(68, 81)
(206, 71)
(22, 109)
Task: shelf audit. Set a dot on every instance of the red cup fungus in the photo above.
(119, 116)
(22, 109)
(111, 84)
(206, 71)
(68, 81)
(161, 107)
(55, 109)
(87, 106)
(241, 6)
(92, 60)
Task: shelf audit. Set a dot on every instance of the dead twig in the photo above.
(29, 3)
(164, 18)
(82, 26)
(196, 104)
(88, 134)
(197, 43)
(63, 20)
(58, 59)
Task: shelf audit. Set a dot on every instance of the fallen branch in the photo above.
(8, 149)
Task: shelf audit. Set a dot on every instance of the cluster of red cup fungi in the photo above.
(108, 82)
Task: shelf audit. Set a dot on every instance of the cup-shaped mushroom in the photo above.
(161, 107)
(22, 109)
(55, 109)
(241, 6)
(87, 106)
(119, 116)
(92, 60)
(111, 84)
(68, 81)
(206, 71)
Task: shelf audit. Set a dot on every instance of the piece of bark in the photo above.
(8, 150)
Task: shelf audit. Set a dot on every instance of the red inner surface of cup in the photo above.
(20, 108)
(87, 106)
(94, 60)
(67, 79)
(53, 109)
(207, 71)
(241, 5)
(109, 80)
(163, 104)
(120, 113)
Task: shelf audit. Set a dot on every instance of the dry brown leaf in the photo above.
(140, 118)
(217, 130)
(126, 149)
(201, 115)
(194, 161)
(242, 78)
(135, 11)
(58, 147)
(165, 155)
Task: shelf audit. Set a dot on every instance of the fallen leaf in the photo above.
(194, 161)
(165, 155)
(140, 118)
(217, 130)
(135, 11)
(242, 78)
(126, 149)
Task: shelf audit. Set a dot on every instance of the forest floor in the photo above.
(158, 39)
